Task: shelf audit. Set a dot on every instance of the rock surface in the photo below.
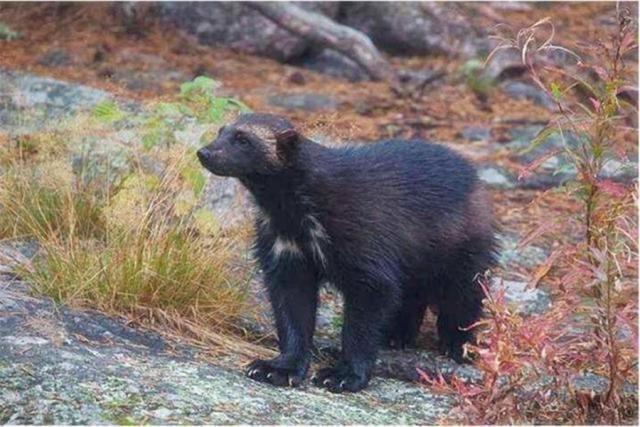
(151, 71)
(55, 58)
(476, 133)
(226, 23)
(304, 102)
(29, 102)
(334, 64)
(495, 177)
(520, 90)
(62, 366)
(521, 298)
(408, 28)
(511, 254)
(405, 28)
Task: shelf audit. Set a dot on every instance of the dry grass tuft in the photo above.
(122, 231)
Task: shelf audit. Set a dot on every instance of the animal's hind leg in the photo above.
(406, 326)
(460, 301)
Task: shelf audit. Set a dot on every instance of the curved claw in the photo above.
(276, 373)
(341, 379)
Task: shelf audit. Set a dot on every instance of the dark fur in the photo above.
(395, 226)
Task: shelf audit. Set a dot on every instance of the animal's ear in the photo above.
(287, 142)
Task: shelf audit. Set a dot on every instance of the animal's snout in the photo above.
(204, 154)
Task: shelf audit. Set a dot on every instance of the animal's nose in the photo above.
(204, 155)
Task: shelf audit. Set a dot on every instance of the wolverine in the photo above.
(396, 226)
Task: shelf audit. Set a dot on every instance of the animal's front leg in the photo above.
(367, 312)
(293, 293)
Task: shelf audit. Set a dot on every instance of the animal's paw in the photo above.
(340, 378)
(276, 372)
(455, 350)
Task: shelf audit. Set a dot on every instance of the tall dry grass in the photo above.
(123, 231)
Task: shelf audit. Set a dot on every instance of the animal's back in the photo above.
(396, 195)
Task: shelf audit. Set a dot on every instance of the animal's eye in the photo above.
(242, 140)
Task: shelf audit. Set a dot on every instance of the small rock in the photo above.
(145, 71)
(162, 413)
(363, 108)
(529, 256)
(403, 364)
(297, 78)
(24, 340)
(476, 133)
(55, 58)
(590, 382)
(556, 170)
(100, 53)
(148, 80)
(624, 332)
(505, 65)
(304, 101)
(620, 171)
(16, 253)
(495, 177)
(520, 90)
(510, 6)
(524, 300)
(334, 64)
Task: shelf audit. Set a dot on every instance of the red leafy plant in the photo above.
(531, 366)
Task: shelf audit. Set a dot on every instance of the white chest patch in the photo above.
(282, 246)
(318, 236)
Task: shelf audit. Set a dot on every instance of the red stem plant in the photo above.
(530, 366)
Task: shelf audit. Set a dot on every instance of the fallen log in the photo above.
(320, 30)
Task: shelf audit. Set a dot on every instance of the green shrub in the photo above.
(119, 224)
(472, 72)
(6, 33)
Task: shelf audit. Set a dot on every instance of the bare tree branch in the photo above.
(323, 31)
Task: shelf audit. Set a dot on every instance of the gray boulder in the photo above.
(402, 28)
(410, 28)
(236, 26)
(29, 102)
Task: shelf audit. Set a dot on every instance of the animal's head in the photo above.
(252, 144)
